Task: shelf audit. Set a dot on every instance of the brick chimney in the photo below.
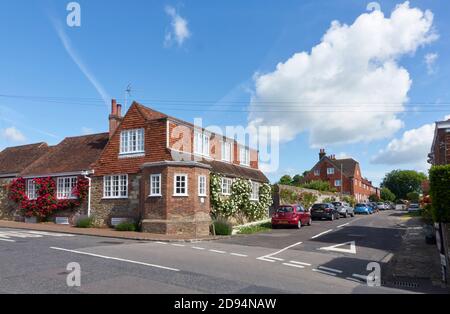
(322, 153)
(115, 118)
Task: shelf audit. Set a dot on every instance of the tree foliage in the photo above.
(387, 195)
(402, 182)
(440, 193)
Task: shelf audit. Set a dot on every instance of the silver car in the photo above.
(344, 209)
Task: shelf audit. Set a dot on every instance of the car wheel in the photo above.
(299, 224)
(332, 217)
(346, 215)
(310, 222)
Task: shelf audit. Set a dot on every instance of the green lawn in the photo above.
(267, 226)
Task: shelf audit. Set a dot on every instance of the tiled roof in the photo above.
(236, 171)
(14, 159)
(348, 165)
(73, 154)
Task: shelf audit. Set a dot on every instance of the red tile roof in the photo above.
(73, 154)
(14, 159)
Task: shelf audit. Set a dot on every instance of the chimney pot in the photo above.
(119, 110)
(114, 107)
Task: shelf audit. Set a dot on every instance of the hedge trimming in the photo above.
(440, 193)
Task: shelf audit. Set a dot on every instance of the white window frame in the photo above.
(132, 142)
(186, 184)
(244, 156)
(155, 185)
(202, 143)
(330, 171)
(337, 182)
(226, 185)
(317, 173)
(31, 189)
(202, 186)
(254, 194)
(110, 182)
(226, 151)
(64, 188)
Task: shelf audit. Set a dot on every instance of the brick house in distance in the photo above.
(440, 149)
(149, 167)
(344, 175)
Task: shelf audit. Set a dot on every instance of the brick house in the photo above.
(149, 167)
(342, 174)
(440, 149)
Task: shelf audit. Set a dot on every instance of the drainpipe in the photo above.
(86, 175)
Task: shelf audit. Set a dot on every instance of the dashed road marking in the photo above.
(341, 226)
(275, 258)
(330, 269)
(265, 260)
(7, 240)
(238, 255)
(293, 265)
(115, 259)
(300, 263)
(179, 245)
(198, 248)
(164, 243)
(324, 272)
(217, 251)
(321, 234)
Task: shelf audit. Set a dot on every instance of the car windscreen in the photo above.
(285, 209)
(337, 204)
(319, 206)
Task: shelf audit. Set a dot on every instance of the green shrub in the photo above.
(440, 193)
(318, 185)
(126, 226)
(222, 227)
(267, 226)
(427, 213)
(85, 223)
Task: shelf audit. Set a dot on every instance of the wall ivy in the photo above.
(239, 203)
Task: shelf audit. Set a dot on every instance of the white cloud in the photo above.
(180, 30)
(412, 148)
(430, 60)
(13, 134)
(349, 88)
(79, 62)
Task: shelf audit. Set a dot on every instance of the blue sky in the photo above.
(212, 62)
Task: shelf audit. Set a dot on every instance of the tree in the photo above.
(297, 179)
(413, 197)
(374, 198)
(440, 193)
(402, 182)
(387, 195)
(286, 180)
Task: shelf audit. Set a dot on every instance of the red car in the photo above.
(291, 215)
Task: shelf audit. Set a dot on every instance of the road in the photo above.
(327, 257)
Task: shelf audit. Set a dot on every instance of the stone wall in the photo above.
(8, 209)
(102, 210)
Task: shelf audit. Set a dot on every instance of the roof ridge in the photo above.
(86, 135)
(26, 145)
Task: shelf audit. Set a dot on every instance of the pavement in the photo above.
(325, 258)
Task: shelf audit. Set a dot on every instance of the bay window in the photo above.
(155, 185)
(180, 185)
(202, 186)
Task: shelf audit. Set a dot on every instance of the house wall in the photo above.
(102, 210)
(176, 215)
(442, 152)
(323, 166)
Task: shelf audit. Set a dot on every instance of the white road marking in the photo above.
(343, 225)
(360, 277)
(7, 240)
(321, 234)
(161, 242)
(267, 257)
(217, 251)
(330, 269)
(324, 272)
(293, 265)
(114, 258)
(387, 258)
(198, 248)
(179, 245)
(239, 255)
(52, 234)
(265, 260)
(353, 279)
(275, 258)
(300, 263)
(336, 248)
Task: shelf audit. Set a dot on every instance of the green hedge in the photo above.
(440, 192)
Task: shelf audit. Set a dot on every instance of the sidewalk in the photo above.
(416, 265)
(106, 233)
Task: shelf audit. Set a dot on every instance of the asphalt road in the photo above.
(327, 257)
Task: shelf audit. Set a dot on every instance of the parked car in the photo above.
(344, 209)
(363, 209)
(291, 215)
(374, 207)
(324, 210)
(381, 206)
(413, 208)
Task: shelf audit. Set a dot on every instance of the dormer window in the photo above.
(201, 143)
(132, 142)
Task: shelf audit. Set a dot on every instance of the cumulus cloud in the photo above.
(430, 60)
(12, 134)
(180, 30)
(350, 87)
(411, 148)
